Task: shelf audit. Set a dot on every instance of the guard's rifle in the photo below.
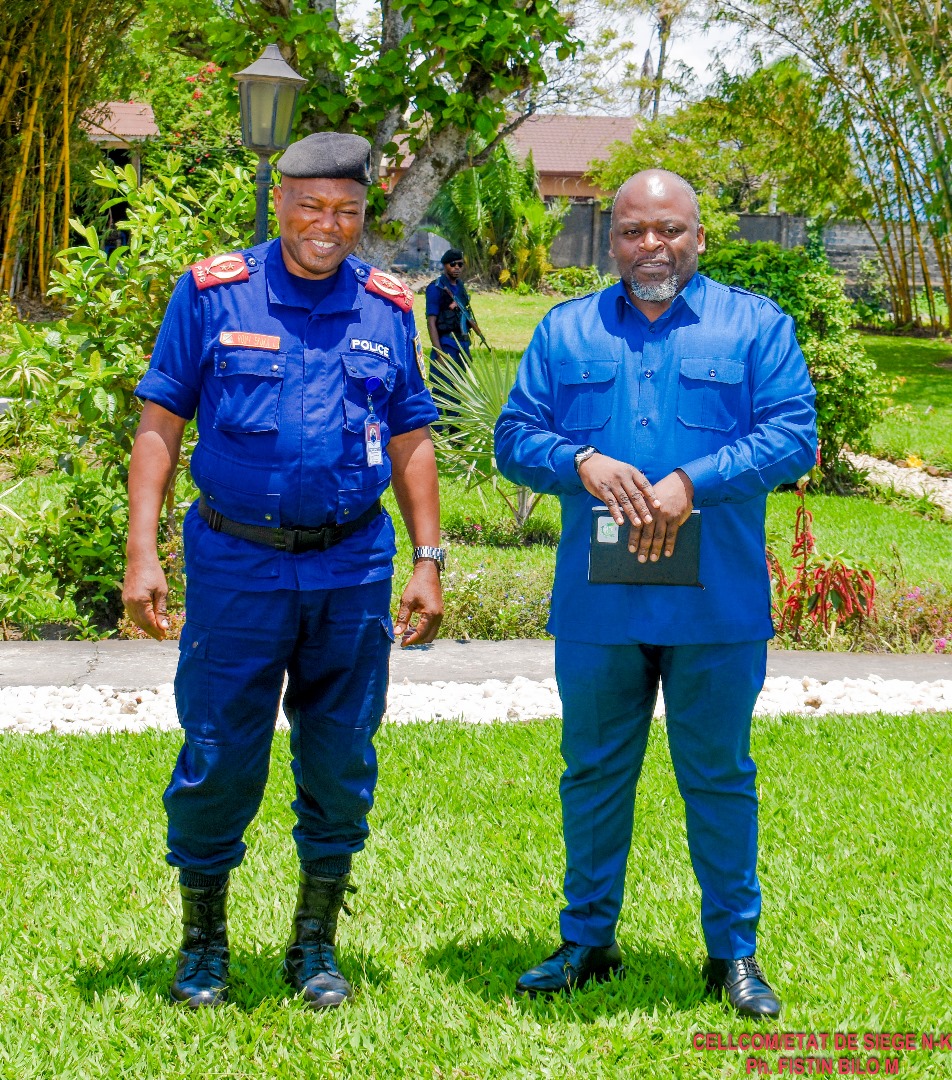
(469, 316)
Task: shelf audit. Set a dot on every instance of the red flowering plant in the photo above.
(829, 590)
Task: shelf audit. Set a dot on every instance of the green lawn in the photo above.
(920, 421)
(894, 541)
(459, 892)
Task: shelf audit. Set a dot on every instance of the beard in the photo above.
(658, 292)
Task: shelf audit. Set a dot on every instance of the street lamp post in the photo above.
(267, 94)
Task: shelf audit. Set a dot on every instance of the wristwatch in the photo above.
(437, 554)
(584, 454)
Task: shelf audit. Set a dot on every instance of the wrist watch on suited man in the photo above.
(583, 454)
(435, 554)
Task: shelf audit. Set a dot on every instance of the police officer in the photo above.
(304, 369)
(663, 392)
(449, 316)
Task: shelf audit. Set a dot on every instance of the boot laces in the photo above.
(205, 955)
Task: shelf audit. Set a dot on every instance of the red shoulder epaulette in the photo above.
(220, 269)
(392, 288)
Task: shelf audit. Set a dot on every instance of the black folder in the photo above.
(611, 563)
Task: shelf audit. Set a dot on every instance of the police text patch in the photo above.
(364, 345)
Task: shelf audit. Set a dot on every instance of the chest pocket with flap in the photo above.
(585, 394)
(709, 392)
(250, 383)
(359, 367)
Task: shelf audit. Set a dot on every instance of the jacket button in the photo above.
(648, 374)
(223, 364)
(274, 367)
(194, 644)
(584, 374)
(346, 512)
(713, 373)
(267, 517)
(644, 422)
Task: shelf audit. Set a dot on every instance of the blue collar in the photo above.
(691, 296)
(290, 290)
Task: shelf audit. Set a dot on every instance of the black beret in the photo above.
(328, 155)
(453, 255)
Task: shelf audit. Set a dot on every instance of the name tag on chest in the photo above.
(243, 340)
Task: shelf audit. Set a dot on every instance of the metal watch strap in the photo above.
(437, 554)
(583, 454)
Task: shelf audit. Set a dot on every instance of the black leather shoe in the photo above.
(310, 963)
(201, 971)
(747, 989)
(571, 966)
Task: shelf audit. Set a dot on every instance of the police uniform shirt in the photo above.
(718, 387)
(279, 377)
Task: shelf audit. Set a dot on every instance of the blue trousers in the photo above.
(236, 647)
(608, 696)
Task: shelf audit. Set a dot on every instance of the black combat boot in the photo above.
(309, 963)
(201, 972)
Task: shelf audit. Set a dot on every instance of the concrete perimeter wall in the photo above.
(584, 240)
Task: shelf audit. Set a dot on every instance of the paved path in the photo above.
(133, 665)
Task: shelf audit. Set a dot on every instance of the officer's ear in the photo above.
(278, 197)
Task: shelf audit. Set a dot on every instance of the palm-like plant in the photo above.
(471, 397)
(495, 215)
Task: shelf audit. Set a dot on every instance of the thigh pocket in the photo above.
(709, 392)
(249, 385)
(585, 394)
(191, 680)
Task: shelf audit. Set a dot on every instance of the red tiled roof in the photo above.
(118, 123)
(567, 145)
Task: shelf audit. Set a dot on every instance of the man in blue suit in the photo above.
(664, 392)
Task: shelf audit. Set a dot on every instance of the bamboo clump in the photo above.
(51, 56)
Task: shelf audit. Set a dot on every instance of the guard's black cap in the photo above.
(328, 155)
(453, 255)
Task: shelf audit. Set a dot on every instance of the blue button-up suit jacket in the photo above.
(717, 387)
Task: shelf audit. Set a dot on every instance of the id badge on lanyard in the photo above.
(372, 443)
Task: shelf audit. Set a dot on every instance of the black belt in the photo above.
(293, 540)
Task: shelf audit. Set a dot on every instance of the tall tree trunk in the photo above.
(67, 48)
(434, 162)
(664, 33)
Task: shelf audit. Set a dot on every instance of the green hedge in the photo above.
(850, 394)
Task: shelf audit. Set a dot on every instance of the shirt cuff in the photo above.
(703, 474)
(563, 462)
(162, 389)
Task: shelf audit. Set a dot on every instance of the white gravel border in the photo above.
(88, 709)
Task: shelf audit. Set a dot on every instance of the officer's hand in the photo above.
(144, 593)
(424, 595)
(675, 495)
(621, 487)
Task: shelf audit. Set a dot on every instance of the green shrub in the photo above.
(493, 604)
(850, 395)
(577, 280)
(82, 369)
(74, 379)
